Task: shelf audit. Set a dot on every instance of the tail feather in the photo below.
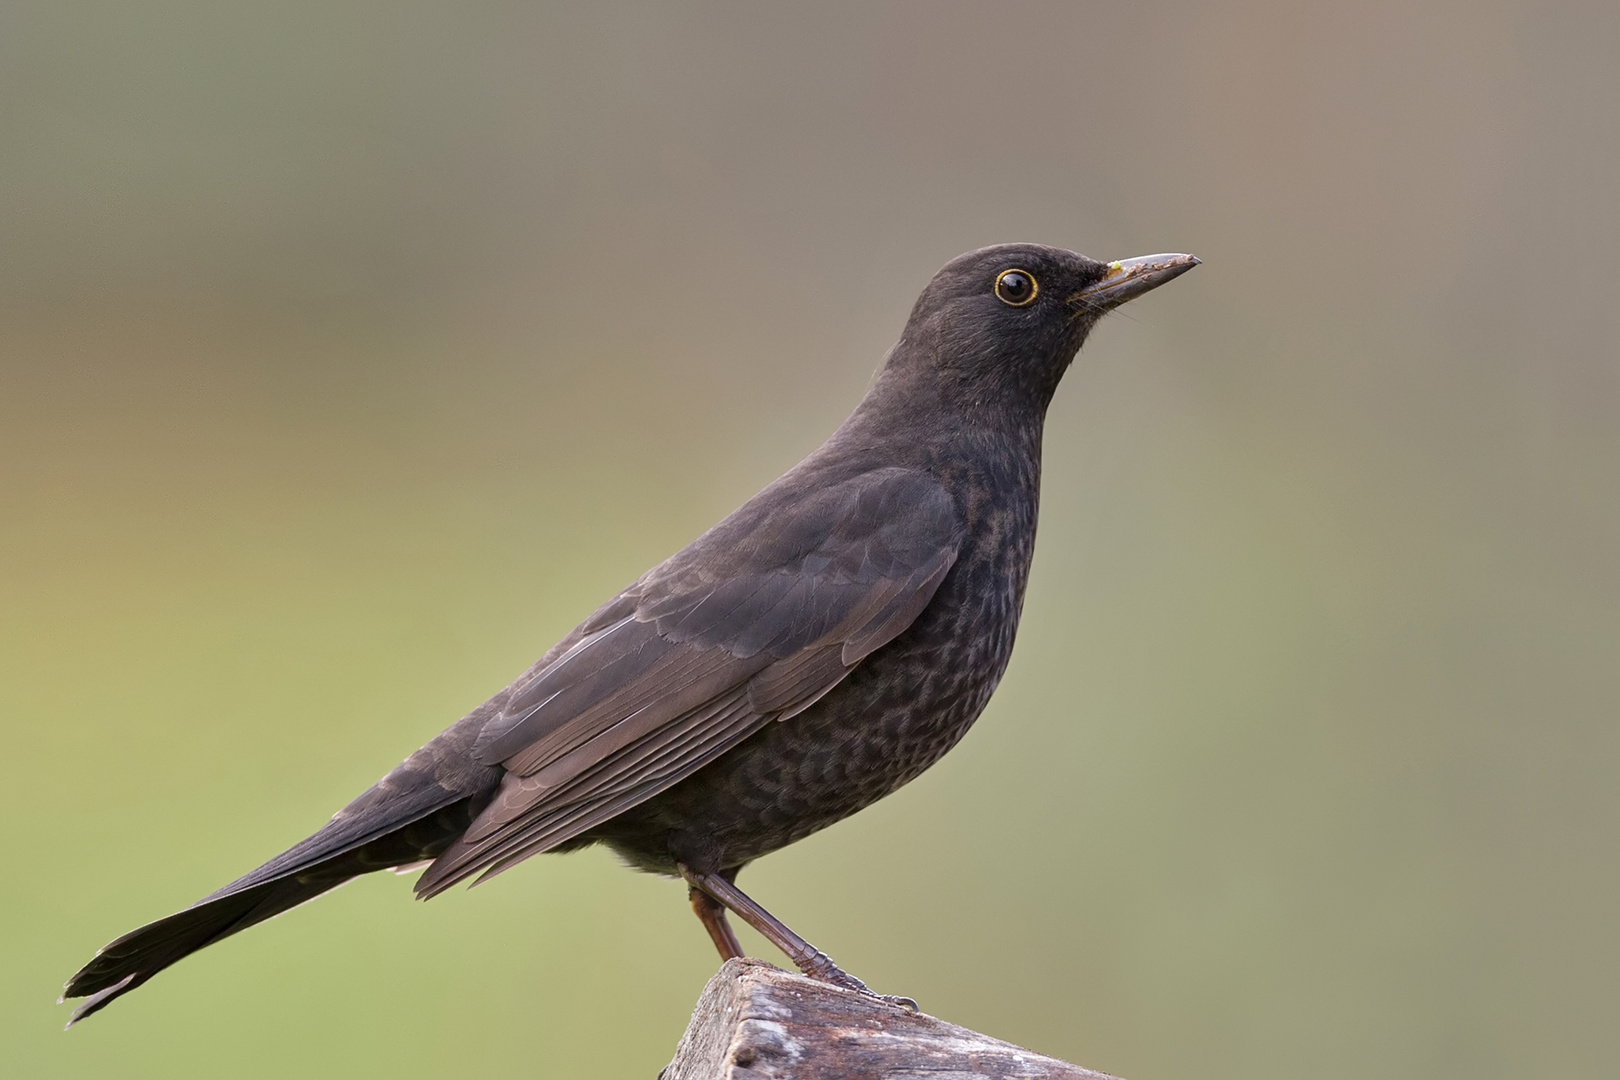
(410, 815)
(137, 956)
(418, 827)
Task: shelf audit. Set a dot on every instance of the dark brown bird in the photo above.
(814, 651)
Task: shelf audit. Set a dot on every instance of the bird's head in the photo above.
(1002, 324)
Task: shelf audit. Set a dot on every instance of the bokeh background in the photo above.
(352, 352)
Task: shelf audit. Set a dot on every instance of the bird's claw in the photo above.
(899, 1001)
(837, 976)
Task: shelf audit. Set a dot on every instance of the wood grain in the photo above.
(757, 1022)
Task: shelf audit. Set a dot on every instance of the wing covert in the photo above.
(755, 621)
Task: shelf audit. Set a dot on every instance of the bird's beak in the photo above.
(1130, 278)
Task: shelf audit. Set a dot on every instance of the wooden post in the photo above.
(757, 1022)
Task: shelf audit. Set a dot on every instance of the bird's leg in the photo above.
(805, 956)
(713, 916)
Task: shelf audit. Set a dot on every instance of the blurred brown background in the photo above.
(350, 353)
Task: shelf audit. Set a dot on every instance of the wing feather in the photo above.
(792, 685)
(621, 782)
(754, 622)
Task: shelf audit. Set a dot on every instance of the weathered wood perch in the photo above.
(757, 1022)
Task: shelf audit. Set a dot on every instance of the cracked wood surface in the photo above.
(757, 1022)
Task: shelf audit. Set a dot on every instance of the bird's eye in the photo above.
(1016, 288)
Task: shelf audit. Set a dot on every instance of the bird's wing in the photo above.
(753, 622)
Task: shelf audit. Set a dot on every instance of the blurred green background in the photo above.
(350, 353)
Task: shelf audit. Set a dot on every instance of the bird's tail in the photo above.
(402, 820)
(140, 954)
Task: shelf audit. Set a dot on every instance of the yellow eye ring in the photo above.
(1017, 288)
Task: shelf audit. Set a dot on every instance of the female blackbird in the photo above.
(808, 655)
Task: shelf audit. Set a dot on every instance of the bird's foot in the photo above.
(899, 1001)
(821, 968)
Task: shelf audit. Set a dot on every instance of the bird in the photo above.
(814, 651)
